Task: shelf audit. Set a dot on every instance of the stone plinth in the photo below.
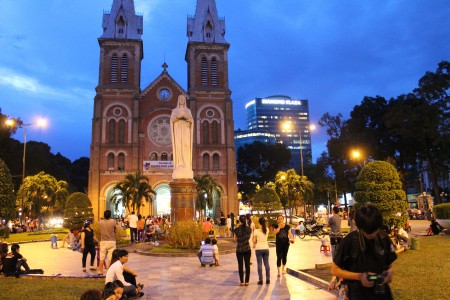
(182, 199)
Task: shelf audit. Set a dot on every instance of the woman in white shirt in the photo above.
(262, 250)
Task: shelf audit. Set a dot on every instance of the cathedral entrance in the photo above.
(117, 211)
(162, 200)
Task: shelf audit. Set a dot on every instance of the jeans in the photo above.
(244, 257)
(133, 234)
(282, 251)
(263, 256)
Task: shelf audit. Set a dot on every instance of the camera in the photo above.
(378, 280)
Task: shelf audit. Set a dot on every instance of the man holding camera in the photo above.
(365, 256)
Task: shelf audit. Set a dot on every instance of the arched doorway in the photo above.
(162, 200)
(116, 212)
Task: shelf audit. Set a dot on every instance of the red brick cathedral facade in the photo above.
(131, 127)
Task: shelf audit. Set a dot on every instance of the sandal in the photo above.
(246, 284)
(241, 284)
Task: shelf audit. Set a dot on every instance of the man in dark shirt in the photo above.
(366, 252)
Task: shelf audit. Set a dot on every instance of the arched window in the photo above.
(112, 131)
(110, 161)
(124, 69)
(214, 69)
(154, 156)
(113, 71)
(206, 162)
(216, 162)
(121, 161)
(205, 132)
(215, 132)
(122, 131)
(164, 156)
(204, 71)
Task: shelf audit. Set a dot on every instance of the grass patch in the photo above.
(36, 235)
(424, 273)
(168, 249)
(42, 288)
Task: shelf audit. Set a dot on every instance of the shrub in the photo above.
(185, 235)
(442, 211)
(78, 209)
(4, 232)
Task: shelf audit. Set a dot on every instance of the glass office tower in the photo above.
(287, 119)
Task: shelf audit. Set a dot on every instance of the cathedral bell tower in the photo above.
(114, 146)
(209, 98)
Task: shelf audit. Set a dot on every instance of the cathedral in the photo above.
(131, 126)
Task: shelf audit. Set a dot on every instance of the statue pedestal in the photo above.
(182, 199)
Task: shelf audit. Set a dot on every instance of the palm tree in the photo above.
(207, 189)
(132, 190)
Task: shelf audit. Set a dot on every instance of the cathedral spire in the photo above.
(206, 26)
(122, 22)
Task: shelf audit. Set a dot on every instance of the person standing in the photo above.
(262, 250)
(283, 238)
(228, 226)
(108, 230)
(335, 230)
(364, 253)
(242, 236)
(88, 245)
(132, 221)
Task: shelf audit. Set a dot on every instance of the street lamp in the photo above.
(357, 154)
(287, 126)
(12, 123)
(311, 127)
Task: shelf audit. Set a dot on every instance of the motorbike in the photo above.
(312, 230)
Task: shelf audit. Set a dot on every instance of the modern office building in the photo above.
(131, 127)
(242, 137)
(285, 118)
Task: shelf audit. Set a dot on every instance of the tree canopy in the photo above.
(208, 189)
(7, 198)
(267, 200)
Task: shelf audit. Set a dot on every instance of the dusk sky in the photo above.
(332, 53)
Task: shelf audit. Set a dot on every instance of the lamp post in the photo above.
(12, 123)
(287, 126)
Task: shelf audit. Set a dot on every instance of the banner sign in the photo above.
(158, 164)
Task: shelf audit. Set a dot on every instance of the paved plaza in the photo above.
(183, 278)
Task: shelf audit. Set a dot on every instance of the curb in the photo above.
(322, 284)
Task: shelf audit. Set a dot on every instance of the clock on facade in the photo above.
(159, 131)
(164, 94)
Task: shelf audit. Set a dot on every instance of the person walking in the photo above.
(107, 239)
(283, 238)
(242, 236)
(262, 250)
(132, 220)
(88, 241)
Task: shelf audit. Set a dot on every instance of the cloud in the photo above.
(146, 8)
(26, 84)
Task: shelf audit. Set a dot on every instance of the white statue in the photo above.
(182, 126)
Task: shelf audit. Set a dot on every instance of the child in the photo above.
(216, 251)
(54, 241)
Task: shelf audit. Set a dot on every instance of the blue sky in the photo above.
(332, 53)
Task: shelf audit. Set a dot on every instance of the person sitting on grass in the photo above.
(14, 262)
(91, 294)
(115, 272)
(206, 253)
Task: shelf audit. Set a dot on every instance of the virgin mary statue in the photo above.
(182, 126)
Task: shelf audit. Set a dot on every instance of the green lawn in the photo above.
(424, 273)
(40, 288)
(35, 236)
